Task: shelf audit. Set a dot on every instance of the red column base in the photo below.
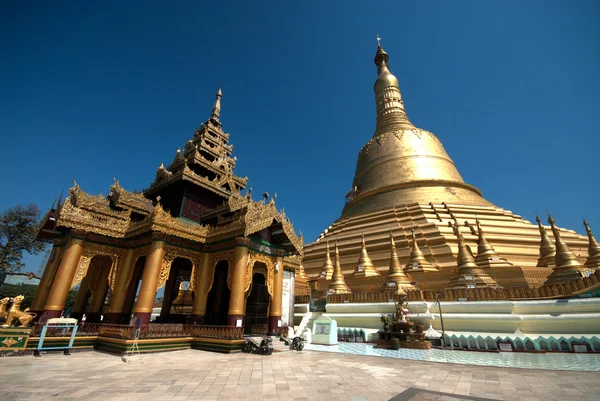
(273, 328)
(143, 318)
(49, 314)
(113, 318)
(93, 317)
(195, 319)
(38, 315)
(232, 319)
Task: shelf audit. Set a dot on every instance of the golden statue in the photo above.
(24, 317)
(3, 306)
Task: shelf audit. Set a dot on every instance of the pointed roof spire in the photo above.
(388, 99)
(327, 271)
(396, 277)
(567, 268)
(547, 250)
(593, 260)
(338, 284)
(486, 254)
(417, 261)
(468, 274)
(364, 267)
(216, 110)
(564, 257)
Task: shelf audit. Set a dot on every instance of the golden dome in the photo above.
(403, 164)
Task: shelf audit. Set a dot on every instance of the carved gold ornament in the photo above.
(171, 253)
(89, 251)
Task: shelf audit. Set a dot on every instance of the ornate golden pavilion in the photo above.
(411, 224)
(191, 225)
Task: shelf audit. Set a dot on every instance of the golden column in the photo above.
(63, 279)
(152, 268)
(238, 284)
(39, 300)
(117, 298)
(81, 298)
(275, 305)
(99, 294)
(201, 291)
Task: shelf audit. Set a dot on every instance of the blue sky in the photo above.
(96, 90)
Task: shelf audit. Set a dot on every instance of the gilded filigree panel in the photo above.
(268, 261)
(171, 253)
(89, 251)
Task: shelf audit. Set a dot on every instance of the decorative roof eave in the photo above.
(78, 218)
(288, 229)
(130, 200)
(162, 221)
(259, 216)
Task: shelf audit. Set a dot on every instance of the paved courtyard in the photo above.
(306, 375)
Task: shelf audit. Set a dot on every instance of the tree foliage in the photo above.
(18, 229)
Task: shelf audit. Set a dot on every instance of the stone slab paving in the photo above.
(302, 376)
(552, 361)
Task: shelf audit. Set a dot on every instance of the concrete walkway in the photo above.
(306, 375)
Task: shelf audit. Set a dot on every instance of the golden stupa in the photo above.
(407, 187)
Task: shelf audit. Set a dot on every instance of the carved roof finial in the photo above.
(593, 260)
(216, 111)
(547, 250)
(338, 284)
(564, 257)
(378, 41)
(327, 272)
(486, 254)
(417, 259)
(364, 266)
(396, 277)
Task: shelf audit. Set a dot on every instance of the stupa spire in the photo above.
(567, 268)
(364, 266)
(547, 250)
(401, 159)
(327, 271)
(216, 110)
(338, 284)
(468, 274)
(417, 261)
(390, 106)
(593, 260)
(564, 257)
(486, 254)
(396, 279)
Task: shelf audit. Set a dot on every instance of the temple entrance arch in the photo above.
(217, 303)
(93, 289)
(257, 301)
(178, 298)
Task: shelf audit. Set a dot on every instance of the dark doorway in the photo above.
(132, 290)
(257, 306)
(178, 298)
(217, 303)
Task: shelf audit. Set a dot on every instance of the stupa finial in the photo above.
(564, 257)
(593, 260)
(216, 111)
(547, 249)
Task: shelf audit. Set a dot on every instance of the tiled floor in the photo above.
(582, 362)
(307, 375)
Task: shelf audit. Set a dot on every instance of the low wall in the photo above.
(558, 317)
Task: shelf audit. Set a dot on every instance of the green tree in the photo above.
(18, 229)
